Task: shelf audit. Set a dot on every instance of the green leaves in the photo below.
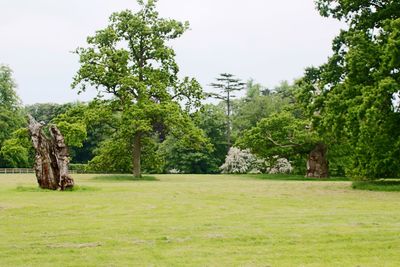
(8, 96)
(17, 152)
(350, 97)
(131, 61)
(281, 135)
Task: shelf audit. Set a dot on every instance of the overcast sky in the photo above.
(266, 40)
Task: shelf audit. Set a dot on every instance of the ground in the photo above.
(197, 220)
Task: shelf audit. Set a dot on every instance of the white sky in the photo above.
(267, 40)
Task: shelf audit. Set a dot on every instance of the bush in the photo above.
(281, 165)
(238, 161)
(242, 161)
(80, 168)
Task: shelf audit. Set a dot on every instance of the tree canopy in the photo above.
(352, 97)
(131, 61)
(11, 119)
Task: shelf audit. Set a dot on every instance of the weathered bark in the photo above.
(317, 164)
(51, 160)
(137, 151)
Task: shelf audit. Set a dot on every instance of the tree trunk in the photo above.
(228, 132)
(317, 164)
(51, 159)
(137, 151)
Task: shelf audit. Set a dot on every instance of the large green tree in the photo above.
(131, 61)
(352, 97)
(11, 115)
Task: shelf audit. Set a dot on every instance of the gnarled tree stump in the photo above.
(51, 160)
(317, 164)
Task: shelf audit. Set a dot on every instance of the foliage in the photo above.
(351, 96)
(189, 154)
(73, 133)
(85, 126)
(212, 120)
(112, 156)
(45, 112)
(258, 103)
(17, 152)
(11, 119)
(130, 61)
(227, 84)
(8, 96)
(78, 167)
(281, 135)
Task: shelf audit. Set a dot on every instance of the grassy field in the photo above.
(197, 220)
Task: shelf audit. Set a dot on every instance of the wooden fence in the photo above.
(29, 170)
(16, 170)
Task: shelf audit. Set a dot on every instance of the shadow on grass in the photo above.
(289, 177)
(124, 177)
(390, 185)
(76, 188)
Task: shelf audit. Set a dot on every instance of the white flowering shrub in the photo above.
(242, 161)
(174, 171)
(281, 165)
(239, 161)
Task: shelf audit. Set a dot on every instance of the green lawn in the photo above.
(197, 220)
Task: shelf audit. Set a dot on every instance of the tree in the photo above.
(282, 135)
(212, 120)
(130, 61)
(258, 103)
(350, 98)
(17, 151)
(189, 153)
(227, 85)
(45, 112)
(8, 96)
(11, 116)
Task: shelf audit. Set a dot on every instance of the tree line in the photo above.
(341, 118)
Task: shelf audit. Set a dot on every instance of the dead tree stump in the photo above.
(51, 159)
(317, 164)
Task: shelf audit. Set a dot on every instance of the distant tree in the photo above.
(8, 96)
(258, 103)
(45, 112)
(189, 154)
(130, 61)
(282, 135)
(227, 85)
(11, 114)
(212, 120)
(17, 151)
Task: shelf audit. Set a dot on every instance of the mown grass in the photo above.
(389, 185)
(289, 177)
(123, 177)
(197, 220)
